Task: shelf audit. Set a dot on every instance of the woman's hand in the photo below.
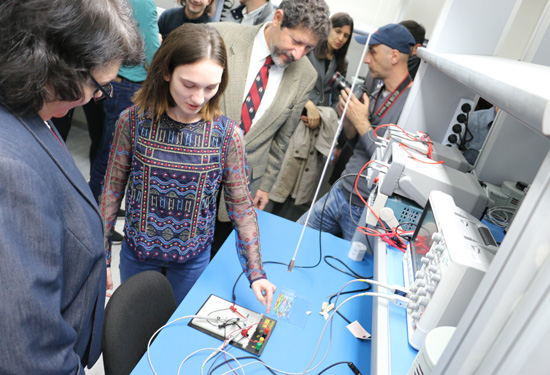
(264, 290)
(109, 282)
(313, 116)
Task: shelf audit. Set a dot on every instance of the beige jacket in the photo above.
(304, 160)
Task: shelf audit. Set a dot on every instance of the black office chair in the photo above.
(138, 307)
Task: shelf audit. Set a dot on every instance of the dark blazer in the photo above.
(321, 93)
(267, 140)
(52, 268)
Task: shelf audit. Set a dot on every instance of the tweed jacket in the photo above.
(53, 264)
(268, 139)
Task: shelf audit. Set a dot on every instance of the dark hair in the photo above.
(310, 14)
(337, 20)
(183, 2)
(49, 47)
(187, 44)
(417, 30)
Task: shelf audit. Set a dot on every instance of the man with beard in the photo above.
(269, 83)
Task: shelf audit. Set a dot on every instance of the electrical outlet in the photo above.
(450, 134)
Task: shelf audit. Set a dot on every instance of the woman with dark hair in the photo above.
(328, 58)
(171, 152)
(54, 55)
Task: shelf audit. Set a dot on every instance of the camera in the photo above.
(338, 82)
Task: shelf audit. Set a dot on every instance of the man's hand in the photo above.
(313, 119)
(358, 110)
(264, 291)
(260, 199)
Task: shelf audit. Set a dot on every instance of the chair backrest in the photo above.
(138, 307)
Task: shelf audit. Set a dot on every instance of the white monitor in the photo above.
(415, 177)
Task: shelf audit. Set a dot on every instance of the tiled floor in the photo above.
(78, 143)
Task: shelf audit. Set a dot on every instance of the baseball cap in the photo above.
(393, 35)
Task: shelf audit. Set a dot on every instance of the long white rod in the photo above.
(340, 122)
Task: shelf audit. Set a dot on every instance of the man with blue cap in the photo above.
(389, 49)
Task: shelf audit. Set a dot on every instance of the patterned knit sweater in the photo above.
(172, 173)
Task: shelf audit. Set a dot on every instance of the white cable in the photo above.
(215, 350)
(340, 122)
(166, 325)
(228, 339)
(501, 215)
(231, 337)
(392, 288)
(393, 298)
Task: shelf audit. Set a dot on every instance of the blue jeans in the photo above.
(182, 276)
(336, 218)
(122, 99)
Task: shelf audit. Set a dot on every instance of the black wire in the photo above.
(467, 129)
(349, 292)
(405, 237)
(353, 274)
(238, 278)
(405, 223)
(218, 321)
(238, 359)
(333, 365)
(320, 248)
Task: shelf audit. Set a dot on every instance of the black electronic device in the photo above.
(338, 82)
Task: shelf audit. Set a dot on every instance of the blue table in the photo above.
(391, 352)
(290, 348)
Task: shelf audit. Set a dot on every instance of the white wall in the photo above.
(167, 4)
(371, 14)
(425, 12)
(521, 29)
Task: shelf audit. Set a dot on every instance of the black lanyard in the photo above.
(378, 115)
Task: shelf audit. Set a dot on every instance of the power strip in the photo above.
(455, 121)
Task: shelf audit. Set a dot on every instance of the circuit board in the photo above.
(230, 318)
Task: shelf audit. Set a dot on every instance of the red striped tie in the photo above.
(254, 97)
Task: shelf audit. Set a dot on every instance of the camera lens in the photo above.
(338, 81)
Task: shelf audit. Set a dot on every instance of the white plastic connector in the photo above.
(388, 216)
(400, 301)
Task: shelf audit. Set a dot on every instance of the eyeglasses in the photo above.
(103, 91)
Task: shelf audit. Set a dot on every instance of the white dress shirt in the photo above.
(260, 51)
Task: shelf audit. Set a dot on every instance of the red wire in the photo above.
(247, 329)
(360, 196)
(223, 348)
(372, 232)
(429, 154)
(421, 161)
(234, 309)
